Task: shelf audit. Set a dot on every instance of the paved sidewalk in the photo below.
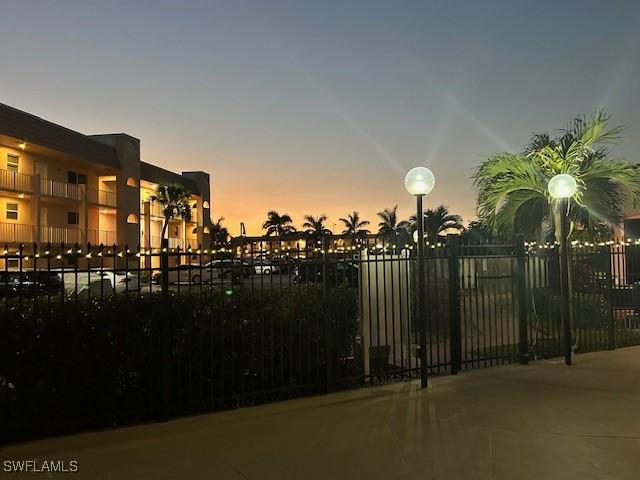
(543, 421)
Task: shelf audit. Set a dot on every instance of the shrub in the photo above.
(66, 366)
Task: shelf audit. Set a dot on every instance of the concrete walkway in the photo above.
(543, 421)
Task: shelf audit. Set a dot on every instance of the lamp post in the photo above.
(561, 188)
(419, 182)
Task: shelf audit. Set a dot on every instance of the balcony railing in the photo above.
(53, 188)
(155, 209)
(101, 197)
(104, 237)
(16, 233)
(155, 241)
(16, 182)
(175, 243)
(59, 235)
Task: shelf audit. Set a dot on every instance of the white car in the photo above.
(264, 268)
(120, 280)
(99, 282)
(195, 274)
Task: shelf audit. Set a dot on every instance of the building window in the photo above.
(76, 178)
(12, 211)
(73, 218)
(12, 163)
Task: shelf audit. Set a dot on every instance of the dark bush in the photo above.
(67, 366)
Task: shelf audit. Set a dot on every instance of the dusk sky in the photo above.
(321, 107)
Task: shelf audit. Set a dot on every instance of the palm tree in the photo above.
(219, 233)
(437, 221)
(315, 226)
(476, 232)
(278, 224)
(389, 226)
(512, 187)
(174, 200)
(354, 227)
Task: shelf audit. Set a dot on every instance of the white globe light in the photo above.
(419, 181)
(415, 236)
(562, 186)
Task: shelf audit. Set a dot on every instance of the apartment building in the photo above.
(60, 186)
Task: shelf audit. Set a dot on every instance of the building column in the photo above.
(84, 216)
(35, 210)
(146, 211)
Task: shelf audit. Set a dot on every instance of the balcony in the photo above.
(53, 188)
(155, 209)
(101, 237)
(156, 242)
(59, 235)
(101, 197)
(194, 215)
(175, 242)
(16, 182)
(16, 233)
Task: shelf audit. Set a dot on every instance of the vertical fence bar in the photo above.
(455, 334)
(611, 339)
(325, 316)
(165, 332)
(421, 303)
(521, 291)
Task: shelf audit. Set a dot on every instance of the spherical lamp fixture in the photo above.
(562, 186)
(419, 181)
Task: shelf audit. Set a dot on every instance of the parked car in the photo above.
(194, 273)
(286, 264)
(121, 281)
(99, 282)
(342, 273)
(210, 271)
(263, 267)
(29, 283)
(231, 268)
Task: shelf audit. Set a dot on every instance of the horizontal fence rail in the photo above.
(129, 334)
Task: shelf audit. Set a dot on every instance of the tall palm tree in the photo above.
(512, 187)
(219, 233)
(390, 227)
(315, 226)
(174, 200)
(354, 226)
(476, 231)
(437, 221)
(278, 224)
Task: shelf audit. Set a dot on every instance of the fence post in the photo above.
(328, 364)
(165, 331)
(521, 289)
(455, 334)
(611, 332)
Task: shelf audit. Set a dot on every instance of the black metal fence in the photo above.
(100, 336)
